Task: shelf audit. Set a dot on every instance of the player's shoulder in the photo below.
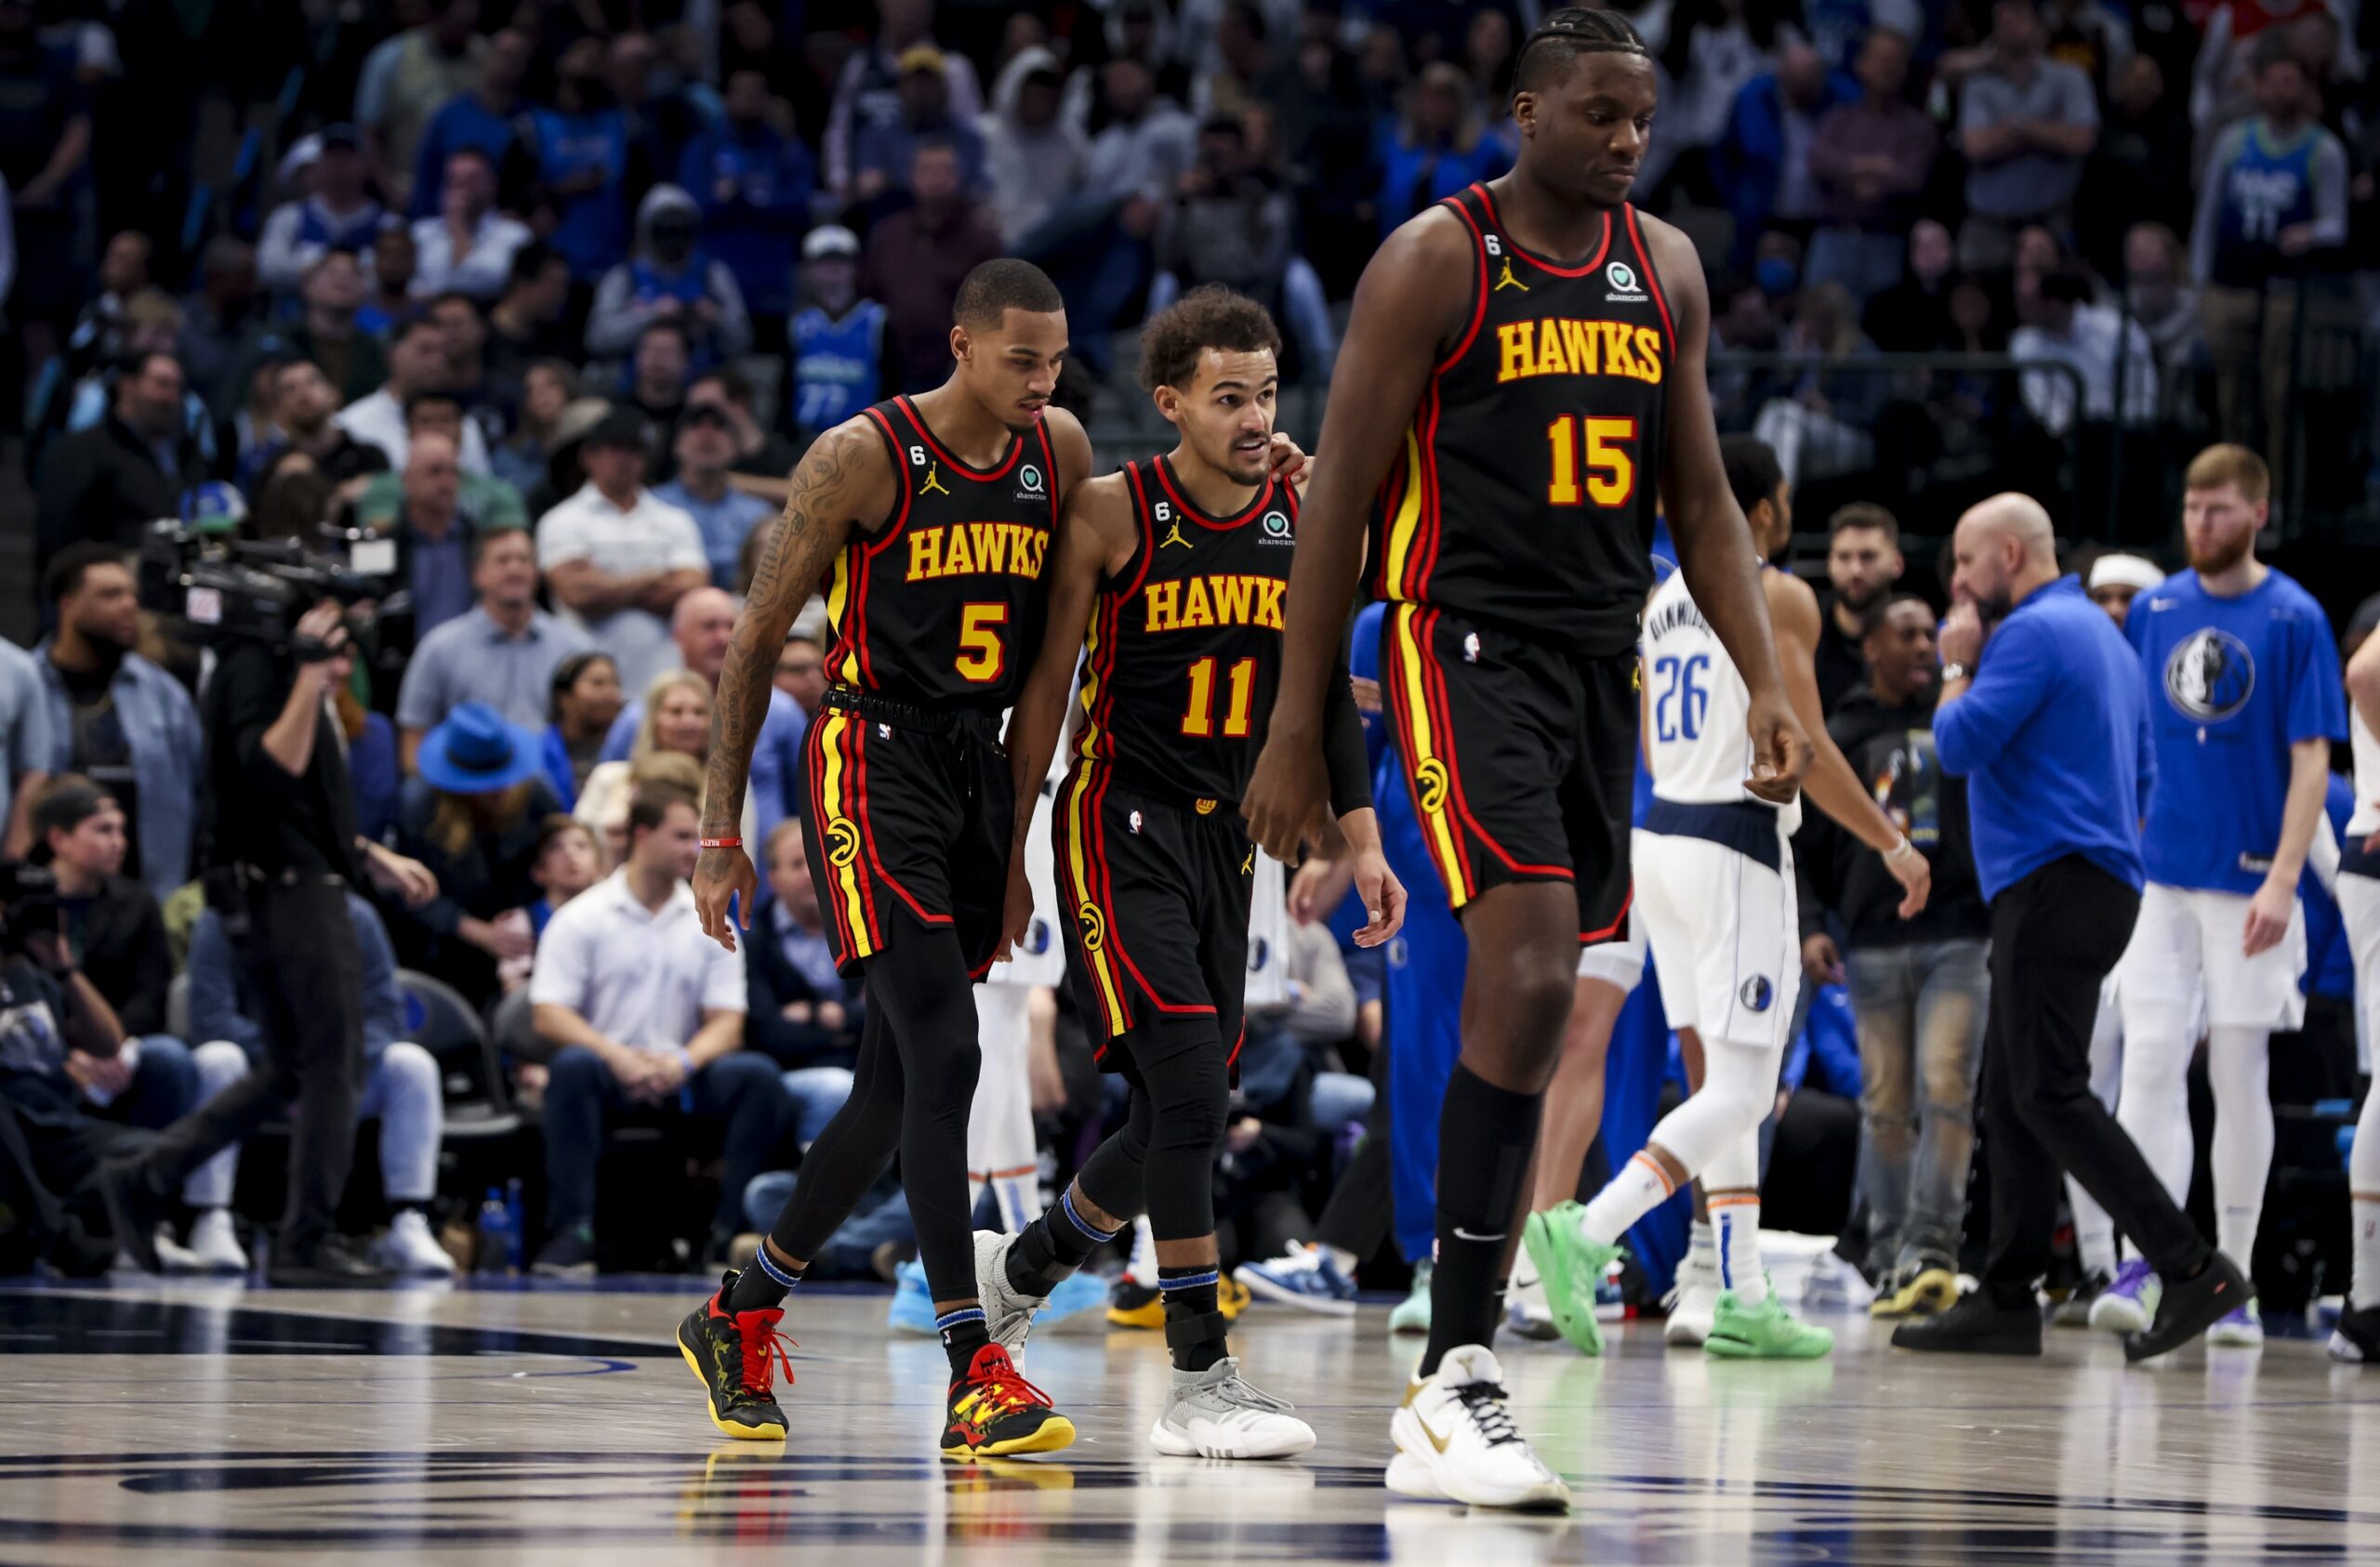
(856, 445)
(2288, 597)
(1670, 250)
(1420, 250)
(1067, 438)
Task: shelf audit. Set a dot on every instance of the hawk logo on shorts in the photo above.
(1757, 993)
(842, 842)
(2209, 676)
(1094, 927)
(1430, 785)
(1206, 807)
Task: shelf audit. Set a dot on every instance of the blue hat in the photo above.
(473, 751)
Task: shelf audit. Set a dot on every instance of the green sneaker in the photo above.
(1571, 1266)
(1763, 1332)
(1412, 1313)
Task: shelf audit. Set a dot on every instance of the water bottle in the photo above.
(517, 1231)
(493, 1250)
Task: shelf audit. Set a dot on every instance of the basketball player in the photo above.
(935, 514)
(1715, 894)
(1521, 386)
(2245, 699)
(2357, 1336)
(1178, 566)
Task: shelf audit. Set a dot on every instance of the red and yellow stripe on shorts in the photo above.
(1083, 871)
(835, 807)
(1425, 740)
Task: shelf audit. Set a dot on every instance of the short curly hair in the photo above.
(1210, 316)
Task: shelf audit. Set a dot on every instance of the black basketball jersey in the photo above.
(944, 605)
(1530, 479)
(1184, 647)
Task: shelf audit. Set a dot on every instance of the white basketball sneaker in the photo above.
(409, 1250)
(1693, 1302)
(1526, 1310)
(1456, 1441)
(216, 1243)
(1213, 1414)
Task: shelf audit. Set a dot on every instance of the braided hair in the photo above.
(1565, 35)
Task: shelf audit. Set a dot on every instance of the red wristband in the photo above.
(721, 843)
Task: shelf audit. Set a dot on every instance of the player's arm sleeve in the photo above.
(2318, 689)
(1970, 732)
(1344, 756)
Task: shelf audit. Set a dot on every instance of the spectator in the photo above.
(25, 746)
(703, 628)
(1135, 30)
(801, 672)
(337, 213)
(327, 333)
(1913, 315)
(753, 183)
(502, 654)
(468, 246)
(672, 720)
(483, 500)
(108, 484)
(581, 156)
(646, 1016)
(433, 539)
(1232, 224)
(2275, 194)
(117, 939)
(525, 324)
(883, 155)
(836, 337)
(2070, 330)
(2090, 37)
(1763, 164)
(99, 331)
(1437, 147)
(1820, 421)
(215, 318)
(918, 257)
(489, 397)
(310, 441)
(1870, 160)
(657, 370)
(389, 299)
(2117, 580)
(704, 448)
(44, 145)
(759, 452)
(474, 812)
(548, 387)
(153, 325)
(116, 718)
(586, 699)
(804, 1016)
(569, 862)
(662, 117)
(485, 119)
(1713, 50)
(1289, 1072)
(407, 80)
(400, 1090)
(868, 92)
(670, 278)
(2025, 126)
(1863, 561)
(2158, 294)
(1034, 158)
(565, 471)
(616, 558)
(416, 365)
(2140, 171)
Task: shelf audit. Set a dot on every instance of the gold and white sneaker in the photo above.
(1456, 1441)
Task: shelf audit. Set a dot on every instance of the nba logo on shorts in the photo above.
(1135, 823)
(1471, 647)
(884, 732)
(1757, 993)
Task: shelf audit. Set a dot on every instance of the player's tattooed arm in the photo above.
(1715, 546)
(843, 477)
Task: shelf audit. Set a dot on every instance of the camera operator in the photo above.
(282, 852)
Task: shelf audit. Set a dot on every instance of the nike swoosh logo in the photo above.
(1435, 1441)
(1462, 1234)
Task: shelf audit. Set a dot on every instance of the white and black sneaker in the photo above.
(1456, 1441)
(1214, 1413)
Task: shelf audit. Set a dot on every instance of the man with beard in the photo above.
(2245, 699)
(1862, 561)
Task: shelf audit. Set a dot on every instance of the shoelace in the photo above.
(1483, 1402)
(1004, 1390)
(763, 1354)
(1241, 1395)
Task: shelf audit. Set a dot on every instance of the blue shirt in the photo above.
(837, 362)
(442, 577)
(593, 232)
(754, 187)
(2232, 683)
(2053, 739)
(724, 524)
(462, 123)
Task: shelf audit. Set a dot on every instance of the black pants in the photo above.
(2055, 936)
(1358, 1217)
(300, 965)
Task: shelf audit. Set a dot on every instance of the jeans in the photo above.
(816, 1092)
(165, 1085)
(850, 1253)
(1338, 1098)
(735, 1103)
(401, 1088)
(1863, 263)
(1919, 1008)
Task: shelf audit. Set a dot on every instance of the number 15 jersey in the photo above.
(1526, 492)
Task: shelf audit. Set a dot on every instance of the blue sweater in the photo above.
(2052, 738)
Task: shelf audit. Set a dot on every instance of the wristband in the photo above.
(1899, 851)
(720, 843)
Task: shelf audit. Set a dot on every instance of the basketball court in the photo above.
(188, 1423)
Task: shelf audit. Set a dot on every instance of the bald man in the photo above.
(701, 626)
(2044, 710)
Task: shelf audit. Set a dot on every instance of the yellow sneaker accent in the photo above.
(735, 1428)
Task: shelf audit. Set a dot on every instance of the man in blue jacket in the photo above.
(2050, 727)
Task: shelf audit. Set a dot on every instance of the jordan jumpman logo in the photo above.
(933, 486)
(1508, 280)
(1173, 536)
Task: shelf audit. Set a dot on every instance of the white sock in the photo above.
(1142, 1270)
(1640, 1187)
(1701, 1249)
(2094, 1232)
(2238, 1066)
(1735, 1216)
(2363, 1183)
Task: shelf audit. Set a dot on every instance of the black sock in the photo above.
(1054, 1246)
(763, 1286)
(1495, 1131)
(1194, 1318)
(962, 1334)
(1497, 1302)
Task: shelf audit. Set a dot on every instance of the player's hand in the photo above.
(1821, 961)
(1316, 887)
(1286, 462)
(1780, 751)
(2268, 921)
(1288, 797)
(1916, 878)
(1016, 918)
(719, 875)
(1383, 897)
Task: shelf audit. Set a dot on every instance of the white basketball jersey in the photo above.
(1697, 709)
(2366, 820)
(1268, 914)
